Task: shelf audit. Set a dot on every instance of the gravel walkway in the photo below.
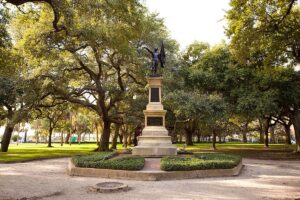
(47, 179)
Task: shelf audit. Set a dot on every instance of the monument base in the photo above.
(154, 151)
(154, 142)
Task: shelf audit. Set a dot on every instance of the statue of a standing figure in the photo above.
(157, 58)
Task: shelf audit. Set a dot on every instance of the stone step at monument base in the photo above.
(154, 151)
(154, 140)
(152, 131)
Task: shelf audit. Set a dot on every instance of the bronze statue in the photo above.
(157, 58)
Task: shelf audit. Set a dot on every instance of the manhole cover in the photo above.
(106, 187)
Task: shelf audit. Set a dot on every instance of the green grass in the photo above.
(200, 161)
(25, 152)
(228, 145)
(248, 150)
(105, 160)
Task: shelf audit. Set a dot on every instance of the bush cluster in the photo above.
(199, 161)
(105, 160)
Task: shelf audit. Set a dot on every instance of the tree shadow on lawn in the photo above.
(266, 154)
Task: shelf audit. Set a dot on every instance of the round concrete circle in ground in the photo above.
(107, 187)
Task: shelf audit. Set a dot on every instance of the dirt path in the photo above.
(48, 180)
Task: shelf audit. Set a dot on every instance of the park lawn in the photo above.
(29, 151)
(248, 150)
(234, 145)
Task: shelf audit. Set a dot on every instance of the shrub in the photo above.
(80, 160)
(199, 161)
(106, 161)
(184, 152)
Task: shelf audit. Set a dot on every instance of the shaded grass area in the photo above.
(248, 150)
(26, 152)
(200, 161)
(235, 145)
(105, 160)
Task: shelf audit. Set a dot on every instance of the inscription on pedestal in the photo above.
(154, 121)
(154, 95)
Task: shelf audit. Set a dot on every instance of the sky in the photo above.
(191, 20)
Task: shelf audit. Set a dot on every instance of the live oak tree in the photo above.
(267, 29)
(250, 93)
(265, 34)
(83, 123)
(53, 115)
(18, 98)
(93, 60)
(192, 102)
(193, 108)
(19, 95)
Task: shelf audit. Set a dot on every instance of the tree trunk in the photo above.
(188, 137)
(79, 138)
(115, 138)
(37, 139)
(18, 138)
(136, 134)
(297, 135)
(50, 137)
(6, 137)
(125, 139)
(67, 138)
(214, 140)
(296, 123)
(272, 132)
(70, 139)
(220, 139)
(266, 131)
(244, 137)
(261, 136)
(180, 137)
(97, 134)
(83, 137)
(198, 137)
(25, 136)
(129, 142)
(244, 132)
(175, 133)
(104, 140)
(61, 139)
(261, 132)
(287, 134)
(171, 132)
(121, 138)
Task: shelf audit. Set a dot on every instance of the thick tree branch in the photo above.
(135, 80)
(288, 11)
(50, 3)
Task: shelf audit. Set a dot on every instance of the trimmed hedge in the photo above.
(104, 160)
(200, 161)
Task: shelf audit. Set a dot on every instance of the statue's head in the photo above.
(156, 49)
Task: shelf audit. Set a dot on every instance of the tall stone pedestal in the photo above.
(154, 140)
